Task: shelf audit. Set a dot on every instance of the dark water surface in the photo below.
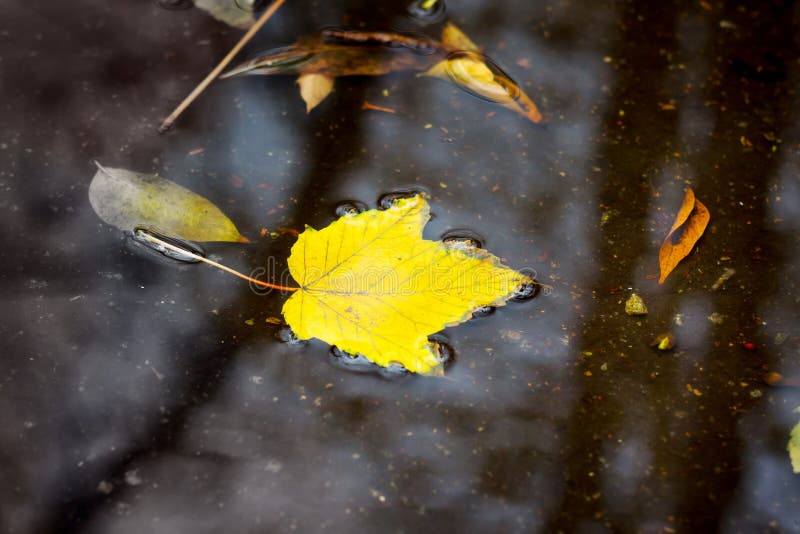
(134, 396)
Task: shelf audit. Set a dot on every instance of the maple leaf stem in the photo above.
(169, 121)
(225, 268)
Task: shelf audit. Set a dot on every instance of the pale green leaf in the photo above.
(128, 200)
(794, 446)
(238, 13)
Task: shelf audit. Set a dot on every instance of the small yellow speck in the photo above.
(695, 391)
(635, 305)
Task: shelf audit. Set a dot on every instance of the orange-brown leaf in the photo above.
(689, 225)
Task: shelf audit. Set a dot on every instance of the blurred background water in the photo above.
(135, 395)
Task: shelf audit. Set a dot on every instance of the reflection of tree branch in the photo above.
(707, 434)
(761, 95)
(640, 79)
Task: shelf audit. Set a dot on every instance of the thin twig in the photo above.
(225, 268)
(169, 121)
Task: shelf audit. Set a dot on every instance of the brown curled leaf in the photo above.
(689, 225)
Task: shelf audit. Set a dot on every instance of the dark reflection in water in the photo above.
(135, 395)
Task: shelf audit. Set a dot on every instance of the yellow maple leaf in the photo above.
(369, 284)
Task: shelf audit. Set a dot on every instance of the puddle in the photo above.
(132, 392)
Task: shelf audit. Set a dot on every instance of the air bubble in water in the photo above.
(174, 5)
(501, 89)
(350, 207)
(287, 335)
(386, 201)
(393, 371)
(351, 362)
(483, 311)
(526, 291)
(461, 238)
(427, 11)
(444, 351)
(359, 363)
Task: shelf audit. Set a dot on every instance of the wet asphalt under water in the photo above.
(135, 395)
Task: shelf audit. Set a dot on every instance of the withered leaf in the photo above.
(321, 58)
(314, 88)
(689, 225)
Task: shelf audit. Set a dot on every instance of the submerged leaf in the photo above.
(474, 75)
(238, 13)
(453, 37)
(335, 53)
(314, 88)
(794, 446)
(369, 284)
(689, 225)
(478, 75)
(129, 200)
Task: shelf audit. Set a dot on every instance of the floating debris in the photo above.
(373, 107)
(635, 305)
(665, 341)
(724, 277)
(773, 379)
